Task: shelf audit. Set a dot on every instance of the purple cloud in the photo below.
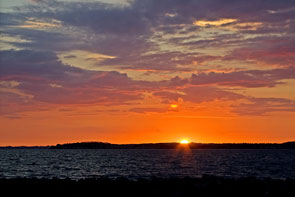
(263, 106)
(198, 95)
(248, 78)
(126, 31)
(42, 76)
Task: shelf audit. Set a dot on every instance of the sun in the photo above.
(174, 106)
(184, 142)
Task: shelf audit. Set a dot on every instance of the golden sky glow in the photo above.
(39, 24)
(94, 71)
(174, 105)
(219, 22)
(184, 142)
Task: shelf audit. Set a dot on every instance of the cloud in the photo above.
(137, 34)
(147, 110)
(246, 105)
(33, 23)
(199, 95)
(168, 96)
(169, 36)
(220, 22)
(41, 75)
(267, 50)
(247, 78)
(264, 106)
(43, 78)
(167, 61)
(207, 94)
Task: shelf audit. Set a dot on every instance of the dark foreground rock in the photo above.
(206, 186)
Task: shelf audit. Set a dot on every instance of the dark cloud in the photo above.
(9, 19)
(42, 76)
(264, 106)
(199, 95)
(270, 50)
(167, 61)
(70, 56)
(36, 65)
(247, 78)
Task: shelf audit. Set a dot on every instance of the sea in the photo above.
(146, 164)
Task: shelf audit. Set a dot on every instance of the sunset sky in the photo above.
(136, 71)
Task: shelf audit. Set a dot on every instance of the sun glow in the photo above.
(184, 142)
(174, 105)
(220, 22)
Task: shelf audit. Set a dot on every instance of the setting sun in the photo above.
(184, 142)
(174, 105)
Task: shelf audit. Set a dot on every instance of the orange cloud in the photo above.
(220, 22)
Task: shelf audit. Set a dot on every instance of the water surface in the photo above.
(134, 164)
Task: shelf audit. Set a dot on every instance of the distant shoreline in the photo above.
(173, 145)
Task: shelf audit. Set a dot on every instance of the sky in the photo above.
(140, 71)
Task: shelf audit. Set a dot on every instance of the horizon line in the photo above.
(12, 146)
